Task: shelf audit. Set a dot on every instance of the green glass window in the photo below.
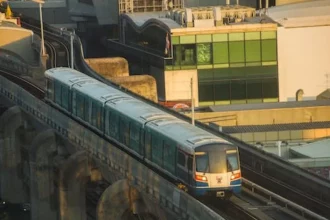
(177, 55)
(190, 39)
(268, 35)
(175, 40)
(236, 36)
(222, 90)
(252, 36)
(236, 52)
(204, 53)
(205, 91)
(238, 89)
(220, 37)
(270, 88)
(188, 54)
(268, 50)
(252, 51)
(254, 89)
(220, 52)
(203, 38)
(205, 75)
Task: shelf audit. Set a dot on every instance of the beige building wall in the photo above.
(303, 61)
(266, 116)
(178, 85)
(285, 2)
(19, 41)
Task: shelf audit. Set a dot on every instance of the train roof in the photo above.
(188, 136)
(67, 75)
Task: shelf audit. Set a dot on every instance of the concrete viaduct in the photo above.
(47, 160)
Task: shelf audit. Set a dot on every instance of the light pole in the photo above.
(71, 44)
(41, 27)
(192, 102)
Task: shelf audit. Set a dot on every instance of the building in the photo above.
(303, 35)
(229, 53)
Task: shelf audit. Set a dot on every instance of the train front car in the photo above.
(217, 170)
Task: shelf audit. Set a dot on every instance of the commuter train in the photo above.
(197, 161)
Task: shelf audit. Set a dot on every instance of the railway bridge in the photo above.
(49, 159)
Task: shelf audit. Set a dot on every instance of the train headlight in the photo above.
(201, 178)
(235, 176)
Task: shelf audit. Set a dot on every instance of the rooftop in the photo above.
(204, 18)
(304, 14)
(317, 149)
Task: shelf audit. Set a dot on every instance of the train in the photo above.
(197, 161)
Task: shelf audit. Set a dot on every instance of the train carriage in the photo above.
(202, 163)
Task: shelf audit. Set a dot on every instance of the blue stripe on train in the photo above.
(236, 185)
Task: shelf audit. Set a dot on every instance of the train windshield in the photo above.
(211, 162)
(232, 161)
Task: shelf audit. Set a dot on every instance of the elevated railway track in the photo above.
(267, 170)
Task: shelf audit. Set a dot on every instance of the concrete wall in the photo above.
(19, 41)
(285, 2)
(303, 61)
(178, 87)
(267, 116)
(143, 85)
(109, 67)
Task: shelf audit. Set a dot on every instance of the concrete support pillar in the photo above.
(72, 187)
(12, 185)
(120, 201)
(42, 151)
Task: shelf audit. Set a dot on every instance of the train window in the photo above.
(107, 121)
(148, 149)
(87, 109)
(65, 97)
(80, 106)
(181, 159)
(114, 124)
(74, 103)
(57, 92)
(157, 150)
(100, 118)
(141, 140)
(232, 162)
(124, 131)
(94, 114)
(190, 163)
(135, 137)
(169, 157)
(202, 163)
(50, 89)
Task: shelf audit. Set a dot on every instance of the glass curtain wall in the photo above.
(232, 67)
